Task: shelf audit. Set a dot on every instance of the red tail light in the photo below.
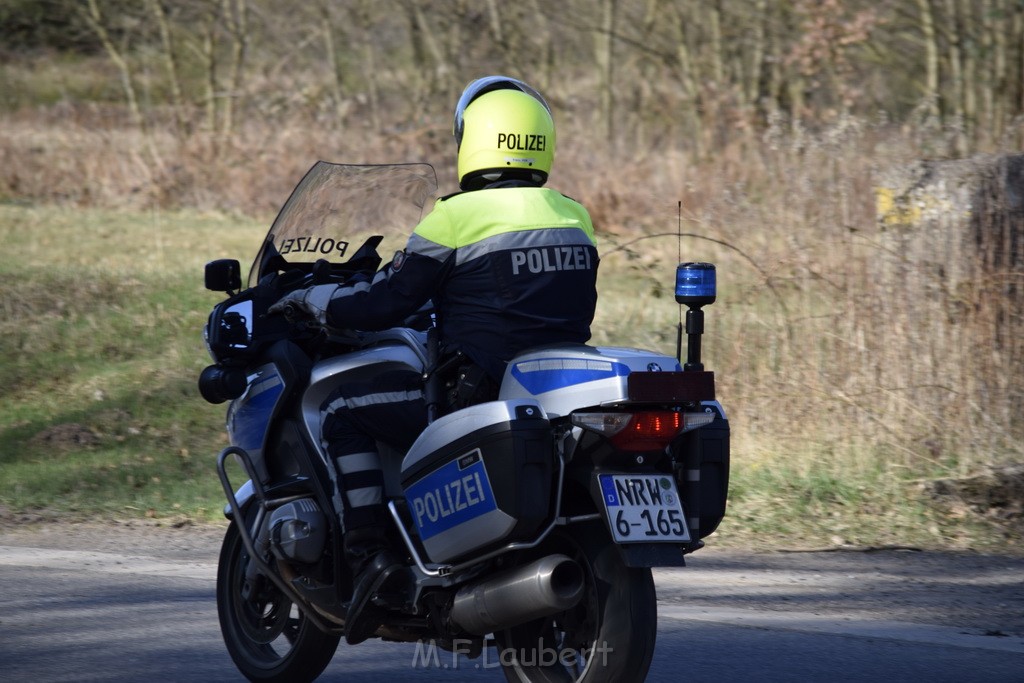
(651, 430)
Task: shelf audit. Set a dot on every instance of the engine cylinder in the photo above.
(298, 531)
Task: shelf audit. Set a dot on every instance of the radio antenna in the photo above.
(679, 231)
(679, 259)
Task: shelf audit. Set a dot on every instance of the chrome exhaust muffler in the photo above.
(547, 586)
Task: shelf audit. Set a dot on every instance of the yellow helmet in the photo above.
(503, 128)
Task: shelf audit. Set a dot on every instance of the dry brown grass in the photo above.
(836, 356)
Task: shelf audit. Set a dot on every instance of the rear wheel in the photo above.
(268, 638)
(608, 636)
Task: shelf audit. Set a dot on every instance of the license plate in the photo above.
(643, 508)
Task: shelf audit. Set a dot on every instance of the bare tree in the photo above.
(688, 78)
(931, 57)
(715, 31)
(206, 49)
(605, 58)
(429, 51)
(717, 65)
(170, 59)
(236, 17)
(364, 27)
(968, 32)
(331, 49)
(757, 47)
(956, 76)
(94, 18)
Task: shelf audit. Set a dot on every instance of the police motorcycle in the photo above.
(529, 523)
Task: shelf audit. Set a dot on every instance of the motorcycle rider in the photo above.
(508, 263)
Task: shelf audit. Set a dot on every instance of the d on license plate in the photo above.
(643, 508)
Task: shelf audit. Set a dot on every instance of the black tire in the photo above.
(608, 636)
(267, 636)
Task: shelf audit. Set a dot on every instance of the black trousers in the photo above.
(386, 407)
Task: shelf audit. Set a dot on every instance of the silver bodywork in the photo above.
(490, 526)
(554, 381)
(566, 378)
(451, 427)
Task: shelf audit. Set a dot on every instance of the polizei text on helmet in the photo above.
(522, 142)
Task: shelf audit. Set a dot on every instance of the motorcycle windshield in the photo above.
(336, 207)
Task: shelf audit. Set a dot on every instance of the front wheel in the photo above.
(266, 635)
(608, 636)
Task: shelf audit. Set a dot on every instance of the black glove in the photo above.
(313, 301)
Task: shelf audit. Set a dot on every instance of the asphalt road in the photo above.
(140, 607)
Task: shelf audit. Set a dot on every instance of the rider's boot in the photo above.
(373, 564)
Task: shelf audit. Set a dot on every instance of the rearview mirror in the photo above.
(223, 275)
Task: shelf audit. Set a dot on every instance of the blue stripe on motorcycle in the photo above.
(547, 374)
(248, 421)
(449, 496)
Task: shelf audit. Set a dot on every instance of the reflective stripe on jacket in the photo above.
(508, 268)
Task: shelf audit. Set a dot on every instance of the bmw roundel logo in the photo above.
(653, 367)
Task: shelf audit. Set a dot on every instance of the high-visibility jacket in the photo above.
(507, 267)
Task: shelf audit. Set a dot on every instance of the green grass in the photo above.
(101, 341)
(813, 504)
